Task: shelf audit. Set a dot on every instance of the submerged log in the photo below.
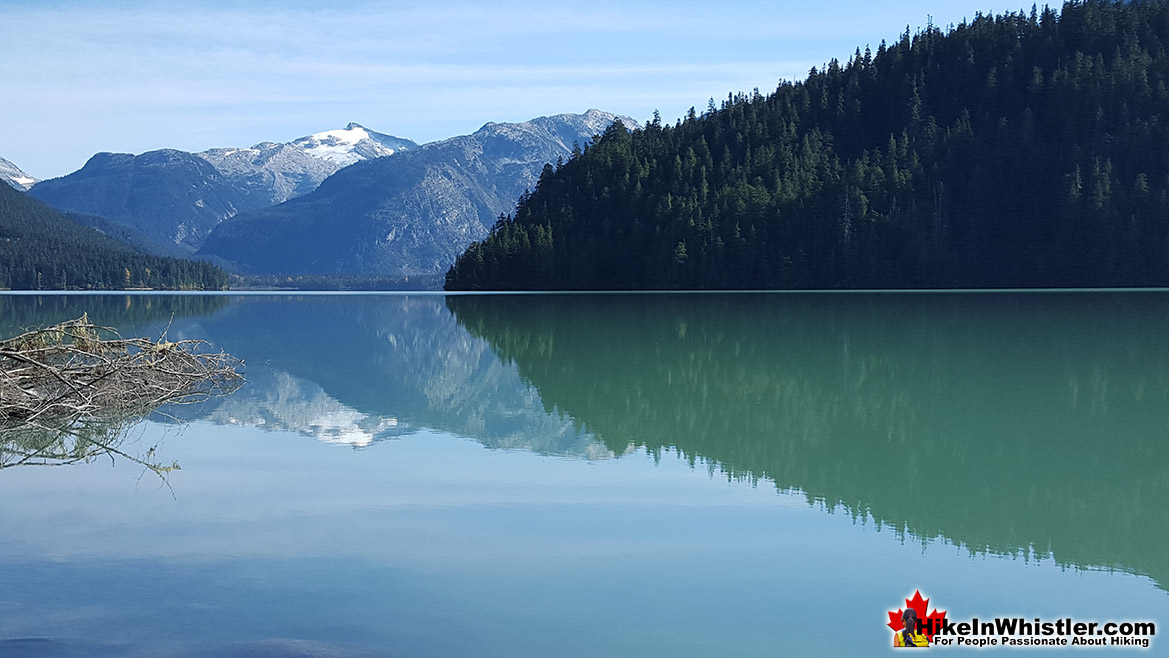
(67, 391)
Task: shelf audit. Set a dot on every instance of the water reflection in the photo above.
(279, 401)
(32, 445)
(359, 369)
(1019, 424)
(128, 312)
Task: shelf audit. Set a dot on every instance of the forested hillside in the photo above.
(1022, 150)
(41, 249)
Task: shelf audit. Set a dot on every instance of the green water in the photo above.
(618, 475)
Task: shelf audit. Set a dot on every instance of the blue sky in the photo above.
(82, 77)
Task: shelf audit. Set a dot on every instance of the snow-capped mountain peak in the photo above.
(350, 134)
(283, 171)
(350, 144)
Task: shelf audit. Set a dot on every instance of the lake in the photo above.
(605, 475)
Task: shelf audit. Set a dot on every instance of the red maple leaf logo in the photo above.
(930, 624)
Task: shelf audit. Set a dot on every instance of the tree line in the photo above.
(1027, 149)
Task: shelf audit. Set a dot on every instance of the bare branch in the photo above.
(68, 391)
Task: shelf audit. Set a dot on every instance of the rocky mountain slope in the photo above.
(410, 214)
(279, 172)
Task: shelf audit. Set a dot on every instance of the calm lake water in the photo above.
(606, 475)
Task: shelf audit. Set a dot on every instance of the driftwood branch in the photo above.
(67, 392)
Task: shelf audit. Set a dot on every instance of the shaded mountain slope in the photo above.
(169, 196)
(410, 214)
(41, 249)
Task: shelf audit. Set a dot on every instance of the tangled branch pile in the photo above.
(67, 390)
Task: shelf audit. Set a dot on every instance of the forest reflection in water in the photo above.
(1029, 424)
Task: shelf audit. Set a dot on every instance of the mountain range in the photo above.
(174, 198)
(409, 214)
(330, 203)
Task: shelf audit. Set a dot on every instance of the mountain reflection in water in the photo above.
(357, 369)
(1017, 424)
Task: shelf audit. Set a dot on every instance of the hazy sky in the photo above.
(80, 77)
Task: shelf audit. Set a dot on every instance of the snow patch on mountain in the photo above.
(11, 174)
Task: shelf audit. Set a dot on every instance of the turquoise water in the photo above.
(616, 475)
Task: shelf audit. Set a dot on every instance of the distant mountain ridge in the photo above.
(173, 197)
(410, 214)
(169, 196)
